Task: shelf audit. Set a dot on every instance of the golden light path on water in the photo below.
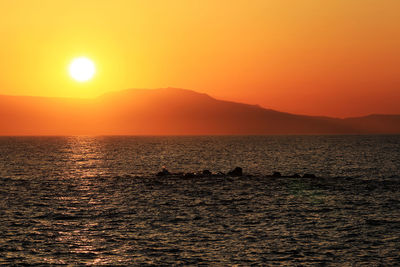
(84, 153)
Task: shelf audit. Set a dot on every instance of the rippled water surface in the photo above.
(96, 200)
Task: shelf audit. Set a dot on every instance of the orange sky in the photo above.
(332, 57)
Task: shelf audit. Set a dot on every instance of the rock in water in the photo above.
(276, 174)
(236, 172)
(164, 172)
(189, 175)
(206, 173)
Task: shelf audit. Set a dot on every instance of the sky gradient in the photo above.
(333, 57)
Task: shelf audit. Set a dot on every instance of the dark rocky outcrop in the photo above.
(236, 172)
(206, 173)
(189, 175)
(276, 174)
(164, 172)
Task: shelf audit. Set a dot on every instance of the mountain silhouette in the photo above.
(169, 111)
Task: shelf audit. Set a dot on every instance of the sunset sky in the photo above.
(332, 57)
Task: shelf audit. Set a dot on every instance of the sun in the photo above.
(82, 69)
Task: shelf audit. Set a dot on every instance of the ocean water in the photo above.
(96, 200)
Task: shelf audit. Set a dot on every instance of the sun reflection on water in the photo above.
(86, 200)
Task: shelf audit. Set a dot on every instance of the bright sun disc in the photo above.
(82, 69)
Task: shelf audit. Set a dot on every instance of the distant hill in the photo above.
(169, 111)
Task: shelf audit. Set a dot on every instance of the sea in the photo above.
(96, 200)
